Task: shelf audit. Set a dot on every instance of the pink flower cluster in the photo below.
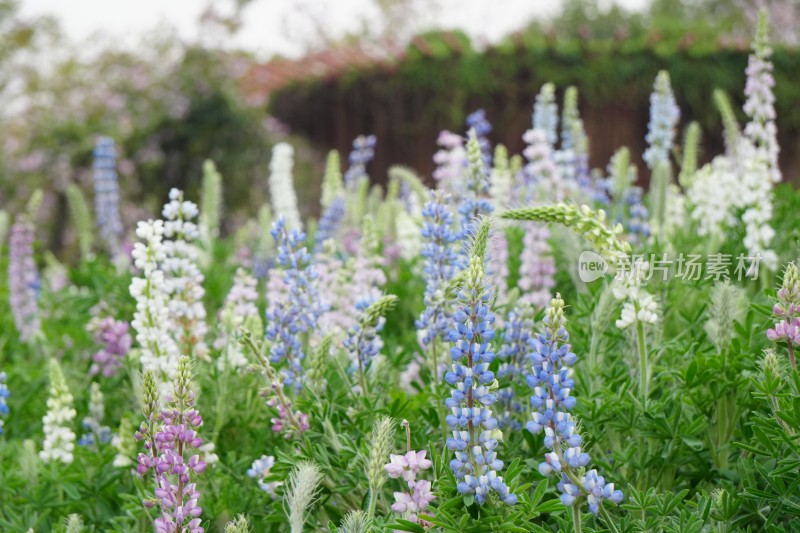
(538, 266)
(409, 504)
(279, 424)
(787, 310)
(115, 341)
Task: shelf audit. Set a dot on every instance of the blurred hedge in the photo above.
(441, 78)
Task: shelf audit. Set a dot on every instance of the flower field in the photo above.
(518, 344)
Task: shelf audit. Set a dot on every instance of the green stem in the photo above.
(576, 518)
(608, 520)
(643, 368)
(373, 501)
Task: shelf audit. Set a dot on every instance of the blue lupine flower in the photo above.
(363, 152)
(550, 380)
(330, 221)
(477, 121)
(513, 355)
(440, 267)
(299, 312)
(363, 341)
(638, 225)
(106, 193)
(4, 393)
(474, 202)
(664, 115)
(545, 113)
(474, 428)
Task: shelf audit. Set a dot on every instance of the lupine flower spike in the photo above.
(475, 432)
(787, 311)
(419, 496)
(106, 193)
(363, 340)
(115, 342)
(59, 438)
(551, 381)
(23, 279)
(169, 437)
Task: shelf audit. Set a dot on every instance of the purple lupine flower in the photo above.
(542, 174)
(106, 193)
(330, 222)
(474, 428)
(362, 154)
(289, 317)
(552, 384)
(477, 121)
(169, 438)
(537, 266)
(787, 310)
(115, 342)
(545, 114)
(283, 423)
(23, 279)
(451, 161)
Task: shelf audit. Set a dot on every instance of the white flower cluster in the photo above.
(542, 171)
(639, 305)
(281, 186)
(152, 322)
(239, 311)
(184, 281)
(59, 438)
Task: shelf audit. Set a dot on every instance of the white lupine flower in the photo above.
(408, 235)
(152, 321)
(183, 279)
(639, 304)
(281, 186)
(239, 311)
(59, 438)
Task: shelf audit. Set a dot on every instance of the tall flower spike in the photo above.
(211, 201)
(302, 490)
(787, 311)
(551, 381)
(106, 193)
(23, 279)
(474, 428)
(152, 321)
(363, 340)
(239, 311)
(537, 266)
(451, 161)
(332, 183)
(59, 439)
(664, 115)
(512, 354)
(543, 177)
(288, 318)
(574, 142)
(281, 185)
(477, 121)
(475, 201)
(362, 153)
(760, 104)
(545, 114)
(115, 343)
(183, 279)
(169, 437)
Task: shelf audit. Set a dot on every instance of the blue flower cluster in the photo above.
(513, 354)
(638, 214)
(4, 393)
(551, 401)
(330, 221)
(475, 432)
(106, 192)
(94, 432)
(299, 313)
(545, 113)
(477, 121)
(440, 267)
(363, 341)
(664, 116)
(362, 153)
(475, 202)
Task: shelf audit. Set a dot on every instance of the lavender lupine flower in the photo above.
(260, 470)
(537, 266)
(152, 321)
(169, 437)
(288, 318)
(362, 153)
(575, 142)
(4, 394)
(440, 267)
(115, 342)
(330, 222)
(419, 495)
(545, 114)
(59, 439)
(787, 311)
(96, 432)
(475, 433)
(551, 381)
(451, 161)
(664, 116)
(760, 104)
(477, 121)
(23, 279)
(542, 175)
(184, 281)
(106, 193)
(513, 354)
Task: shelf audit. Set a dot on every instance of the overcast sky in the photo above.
(266, 21)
